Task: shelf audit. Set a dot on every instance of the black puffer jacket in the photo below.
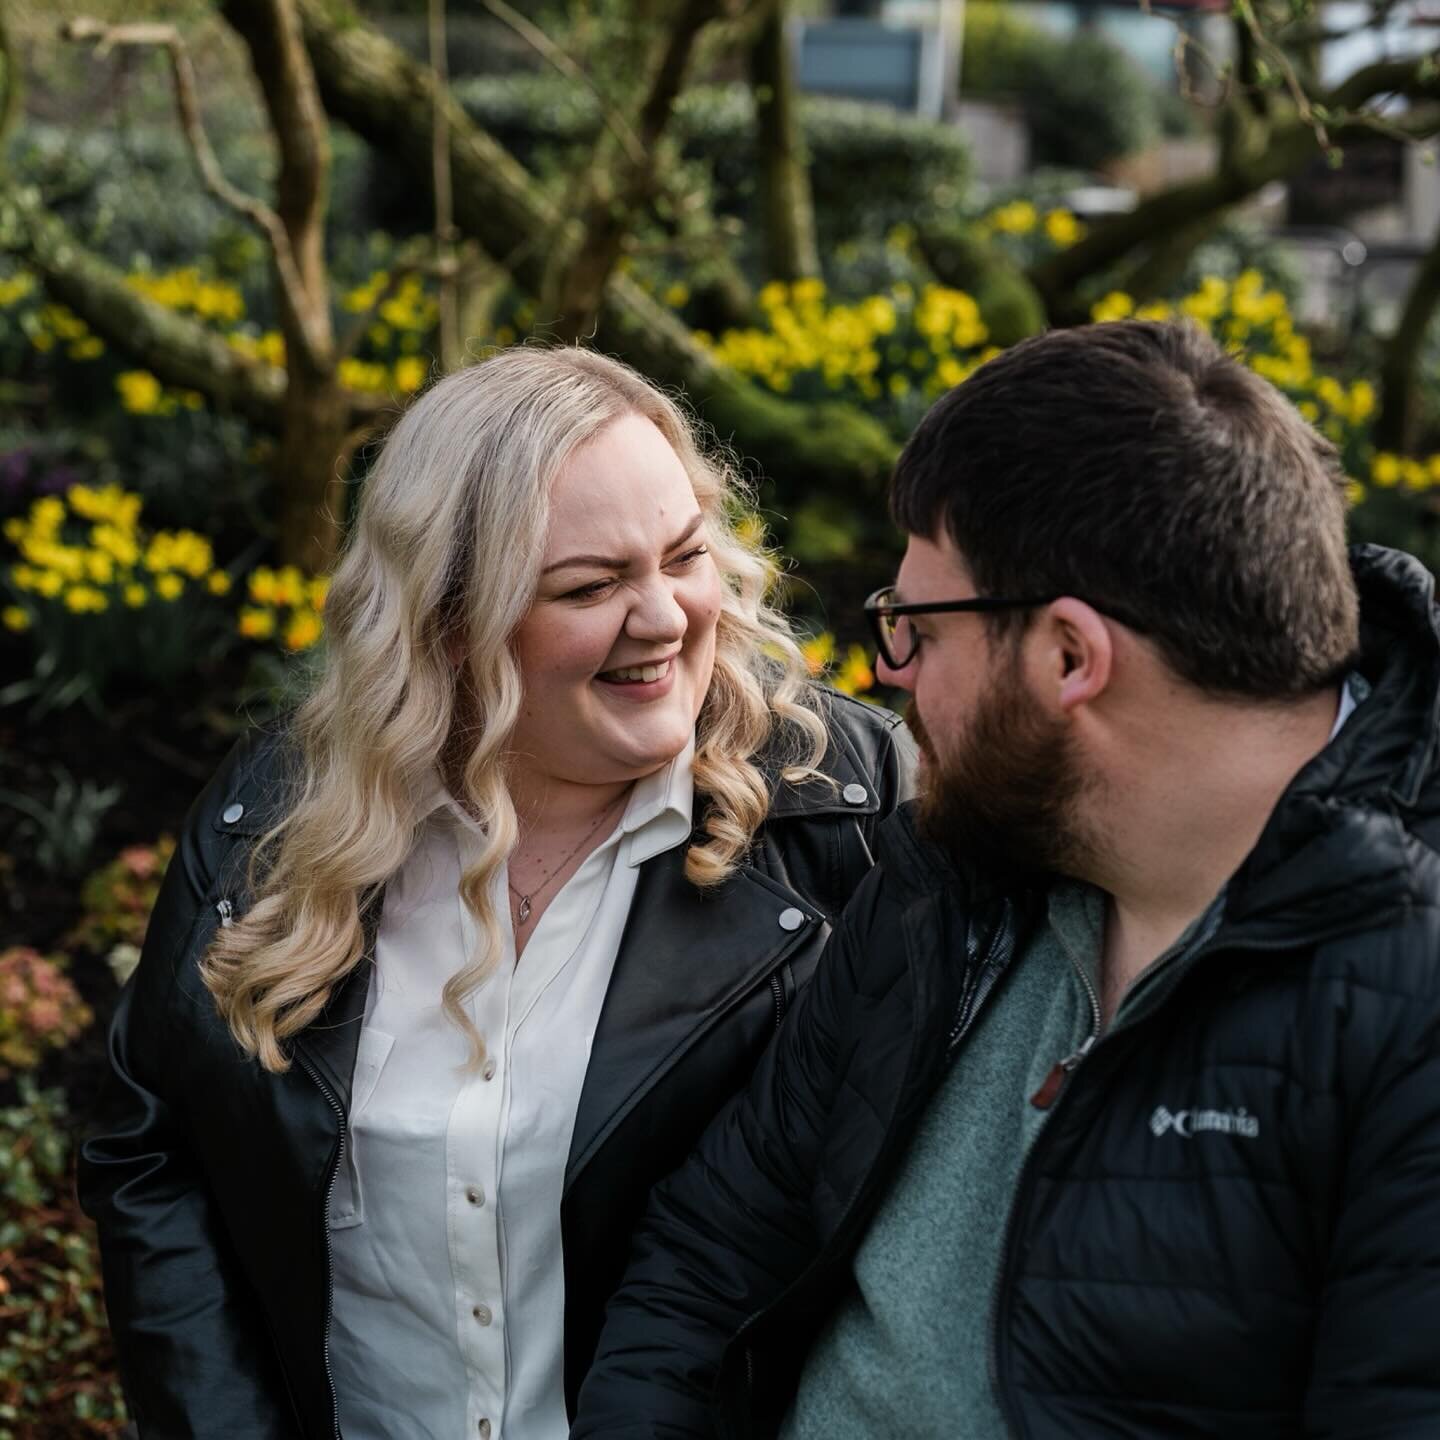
(1230, 1224)
(210, 1190)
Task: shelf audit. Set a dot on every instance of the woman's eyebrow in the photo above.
(609, 562)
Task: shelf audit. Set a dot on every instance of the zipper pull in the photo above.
(1054, 1082)
(227, 913)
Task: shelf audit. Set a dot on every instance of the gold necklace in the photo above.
(523, 911)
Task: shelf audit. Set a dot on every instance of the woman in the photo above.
(451, 968)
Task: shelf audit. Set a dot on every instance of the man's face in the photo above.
(1001, 780)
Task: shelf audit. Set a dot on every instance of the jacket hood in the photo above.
(1355, 835)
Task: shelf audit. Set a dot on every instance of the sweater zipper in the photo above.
(1061, 1071)
(1027, 1166)
(339, 1110)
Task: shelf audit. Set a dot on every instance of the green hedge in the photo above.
(871, 168)
(1085, 101)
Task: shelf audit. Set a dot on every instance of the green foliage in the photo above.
(59, 831)
(57, 1364)
(963, 257)
(117, 900)
(1085, 101)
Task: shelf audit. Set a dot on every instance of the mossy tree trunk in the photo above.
(1399, 378)
(786, 201)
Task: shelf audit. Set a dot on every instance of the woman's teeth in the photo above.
(647, 673)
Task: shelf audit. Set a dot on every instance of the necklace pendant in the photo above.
(524, 911)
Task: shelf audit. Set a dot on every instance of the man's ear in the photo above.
(1078, 652)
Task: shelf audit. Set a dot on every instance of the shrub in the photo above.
(870, 167)
(57, 1364)
(1085, 101)
(117, 900)
(40, 1009)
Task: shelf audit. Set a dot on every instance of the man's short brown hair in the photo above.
(1139, 467)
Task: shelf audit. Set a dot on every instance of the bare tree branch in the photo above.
(168, 38)
(548, 50)
(271, 31)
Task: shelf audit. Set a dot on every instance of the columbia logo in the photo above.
(1189, 1123)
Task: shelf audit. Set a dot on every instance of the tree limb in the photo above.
(12, 101)
(386, 98)
(271, 30)
(176, 349)
(1268, 152)
(168, 38)
(1396, 423)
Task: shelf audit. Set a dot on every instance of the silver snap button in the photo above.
(482, 1314)
(855, 794)
(791, 919)
(475, 1195)
(233, 812)
(488, 1070)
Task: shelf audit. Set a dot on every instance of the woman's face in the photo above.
(618, 649)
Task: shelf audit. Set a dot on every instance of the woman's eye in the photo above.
(592, 591)
(690, 556)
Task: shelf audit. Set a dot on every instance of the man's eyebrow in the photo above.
(609, 562)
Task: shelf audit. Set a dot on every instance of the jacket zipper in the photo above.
(339, 1110)
(226, 911)
(777, 989)
(1027, 1166)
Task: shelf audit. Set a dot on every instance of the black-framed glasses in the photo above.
(897, 641)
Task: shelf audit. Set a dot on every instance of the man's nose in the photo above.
(899, 679)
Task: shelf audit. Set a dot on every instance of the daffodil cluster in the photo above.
(391, 358)
(1255, 323)
(99, 593)
(286, 605)
(890, 353)
(850, 674)
(87, 554)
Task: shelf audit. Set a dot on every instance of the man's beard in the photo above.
(1008, 794)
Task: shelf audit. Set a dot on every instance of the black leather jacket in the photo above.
(210, 1192)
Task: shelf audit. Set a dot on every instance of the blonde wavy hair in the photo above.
(451, 529)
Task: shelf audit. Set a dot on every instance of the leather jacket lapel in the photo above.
(684, 958)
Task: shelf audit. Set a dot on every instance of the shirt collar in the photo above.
(661, 810)
(658, 815)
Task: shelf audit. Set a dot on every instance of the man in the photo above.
(1114, 1108)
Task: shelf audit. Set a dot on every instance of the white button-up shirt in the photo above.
(445, 1215)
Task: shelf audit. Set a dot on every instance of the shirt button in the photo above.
(791, 918)
(233, 812)
(484, 1430)
(855, 794)
(488, 1070)
(475, 1195)
(482, 1314)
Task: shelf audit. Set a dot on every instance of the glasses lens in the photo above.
(896, 637)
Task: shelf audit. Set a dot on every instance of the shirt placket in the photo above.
(472, 1183)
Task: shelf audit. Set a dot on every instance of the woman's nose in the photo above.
(656, 615)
